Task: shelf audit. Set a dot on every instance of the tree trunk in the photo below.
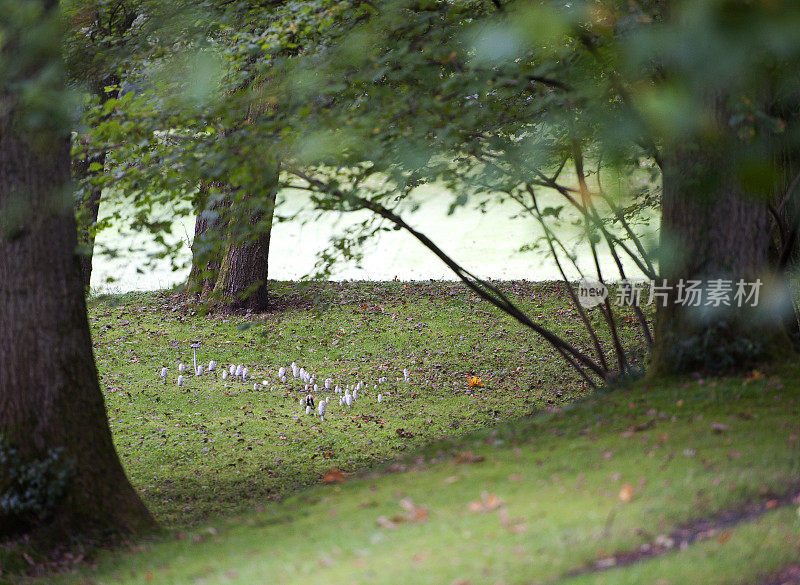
(207, 248)
(242, 279)
(87, 212)
(88, 208)
(49, 392)
(712, 229)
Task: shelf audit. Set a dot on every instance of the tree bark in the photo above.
(49, 392)
(207, 248)
(712, 229)
(242, 278)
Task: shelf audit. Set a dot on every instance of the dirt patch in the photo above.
(717, 526)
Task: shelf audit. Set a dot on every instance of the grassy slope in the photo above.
(557, 476)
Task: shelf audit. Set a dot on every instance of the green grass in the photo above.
(203, 450)
(555, 477)
(558, 477)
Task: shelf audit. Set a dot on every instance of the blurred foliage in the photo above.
(31, 75)
(378, 98)
(360, 103)
(30, 489)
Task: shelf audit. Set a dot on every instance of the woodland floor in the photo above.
(530, 479)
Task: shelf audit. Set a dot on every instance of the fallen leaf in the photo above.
(386, 523)
(626, 493)
(513, 525)
(719, 427)
(725, 536)
(756, 375)
(487, 503)
(468, 457)
(334, 476)
(475, 382)
(414, 513)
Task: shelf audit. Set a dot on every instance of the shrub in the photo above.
(29, 490)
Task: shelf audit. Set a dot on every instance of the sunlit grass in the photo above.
(530, 501)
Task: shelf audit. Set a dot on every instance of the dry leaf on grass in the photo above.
(468, 457)
(513, 525)
(414, 513)
(626, 493)
(756, 375)
(487, 503)
(334, 476)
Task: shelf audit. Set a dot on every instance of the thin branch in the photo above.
(608, 313)
(482, 288)
(549, 236)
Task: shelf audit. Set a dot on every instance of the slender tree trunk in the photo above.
(242, 279)
(87, 212)
(49, 393)
(88, 209)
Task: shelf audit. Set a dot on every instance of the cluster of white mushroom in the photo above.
(238, 372)
(349, 394)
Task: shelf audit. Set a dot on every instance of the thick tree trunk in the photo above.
(242, 279)
(87, 212)
(49, 392)
(712, 229)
